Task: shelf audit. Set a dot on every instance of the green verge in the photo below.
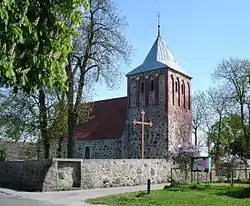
(205, 195)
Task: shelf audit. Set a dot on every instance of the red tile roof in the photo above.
(108, 123)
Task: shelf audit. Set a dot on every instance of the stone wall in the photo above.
(80, 173)
(156, 137)
(25, 175)
(93, 173)
(99, 149)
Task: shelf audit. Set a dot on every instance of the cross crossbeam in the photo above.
(142, 123)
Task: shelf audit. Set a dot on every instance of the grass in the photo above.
(188, 195)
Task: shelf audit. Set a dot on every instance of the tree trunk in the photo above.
(59, 148)
(217, 164)
(196, 136)
(71, 114)
(219, 130)
(246, 138)
(248, 106)
(44, 124)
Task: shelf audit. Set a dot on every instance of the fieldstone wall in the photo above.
(99, 149)
(25, 175)
(106, 173)
(79, 173)
(124, 172)
(68, 174)
(156, 137)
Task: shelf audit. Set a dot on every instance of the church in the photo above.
(161, 89)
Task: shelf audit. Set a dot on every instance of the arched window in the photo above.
(142, 92)
(172, 79)
(87, 152)
(133, 90)
(142, 87)
(189, 106)
(184, 94)
(152, 85)
(178, 92)
(176, 86)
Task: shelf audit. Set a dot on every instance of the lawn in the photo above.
(203, 195)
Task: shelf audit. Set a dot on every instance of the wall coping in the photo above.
(67, 160)
(80, 160)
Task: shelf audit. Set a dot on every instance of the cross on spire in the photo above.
(142, 123)
(159, 32)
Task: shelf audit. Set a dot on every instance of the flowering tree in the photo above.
(181, 156)
(232, 161)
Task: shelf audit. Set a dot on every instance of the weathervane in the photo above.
(158, 16)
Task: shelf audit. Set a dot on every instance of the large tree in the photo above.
(198, 113)
(35, 40)
(97, 54)
(23, 117)
(231, 145)
(234, 73)
(18, 117)
(215, 108)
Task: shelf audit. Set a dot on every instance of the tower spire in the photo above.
(159, 31)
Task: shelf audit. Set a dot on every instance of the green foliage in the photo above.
(231, 136)
(58, 127)
(2, 154)
(234, 74)
(35, 40)
(18, 117)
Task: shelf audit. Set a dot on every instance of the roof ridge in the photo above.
(110, 99)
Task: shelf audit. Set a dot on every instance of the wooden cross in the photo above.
(142, 123)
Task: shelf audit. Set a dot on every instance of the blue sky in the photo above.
(199, 33)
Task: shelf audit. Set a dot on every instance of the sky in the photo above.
(199, 33)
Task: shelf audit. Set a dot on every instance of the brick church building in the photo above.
(158, 86)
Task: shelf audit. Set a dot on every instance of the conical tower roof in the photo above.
(158, 57)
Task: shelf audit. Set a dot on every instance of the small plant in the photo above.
(3, 154)
(199, 187)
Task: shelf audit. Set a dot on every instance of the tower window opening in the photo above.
(152, 85)
(172, 79)
(176, 87)
(142, 87)
(184, 94)
(178, 92)
(188, 98)
(182, 89)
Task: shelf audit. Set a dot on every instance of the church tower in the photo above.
(162, 89)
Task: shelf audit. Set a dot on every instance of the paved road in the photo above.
(65, 198)
(9, 200)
